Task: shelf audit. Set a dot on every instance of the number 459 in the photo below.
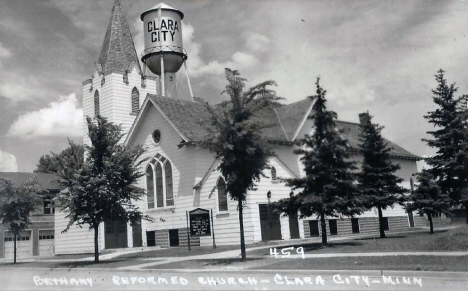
(286, 252)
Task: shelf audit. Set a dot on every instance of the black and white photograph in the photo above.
(233, 145)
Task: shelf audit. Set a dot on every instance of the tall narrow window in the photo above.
(273, 174)
(96, 103)
(169, 193)
(222, 195)
(150, 186)
(135, 100)
(159, 186)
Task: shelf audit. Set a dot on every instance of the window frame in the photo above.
(97, 103)
(133, 102)
(218, 208)
(162, 162)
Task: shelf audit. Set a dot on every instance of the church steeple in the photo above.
(118, 50)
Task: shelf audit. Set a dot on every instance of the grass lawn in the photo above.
(451, 240)
(179, 252)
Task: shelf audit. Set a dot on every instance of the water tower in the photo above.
(164, 53)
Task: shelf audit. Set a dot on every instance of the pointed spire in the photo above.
(118, 50)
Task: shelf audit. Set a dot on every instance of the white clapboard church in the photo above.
(181, 177)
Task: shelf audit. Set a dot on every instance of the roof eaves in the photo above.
(136, 121)
(185, 138)
(202, 182)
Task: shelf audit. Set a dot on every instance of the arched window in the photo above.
(135, 100)
(96, 103)
(168, 176)
(273, 174)
(159, 183)
(159, 186)
(222, 195)
(150, 186)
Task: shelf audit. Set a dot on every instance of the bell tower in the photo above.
(117, 87)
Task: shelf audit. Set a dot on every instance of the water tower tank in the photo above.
(162, 26)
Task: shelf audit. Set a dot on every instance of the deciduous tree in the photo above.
(49, 163)
(235, 137)
(16, 204)
(103, 188)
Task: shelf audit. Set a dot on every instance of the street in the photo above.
(108, 279)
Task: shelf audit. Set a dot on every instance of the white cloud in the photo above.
(257, 42)
(4, 53)
(7, 162)
(59, 118)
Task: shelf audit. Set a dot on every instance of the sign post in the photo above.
(212, 227)
(188, 231)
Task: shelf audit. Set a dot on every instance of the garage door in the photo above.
(46, 243)
(23, 245)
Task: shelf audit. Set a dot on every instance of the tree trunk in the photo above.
(466, 214)
(324, 229)
(96, 246)
(431, 225)
(14, 249)
(382, 231)
(241, 224)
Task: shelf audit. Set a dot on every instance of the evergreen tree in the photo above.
(234, 135)
(328, 188)
(103, 188)
(449, 166)
(427, 198)
(16, 205)
(49, 163)
(377, 181)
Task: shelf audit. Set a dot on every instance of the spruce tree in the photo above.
(449, 166)
(377, 180)
(427, 198)
(328, 188)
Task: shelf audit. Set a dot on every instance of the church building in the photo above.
(181, 177)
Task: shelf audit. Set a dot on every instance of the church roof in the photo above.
(46, 181)
(285, 121)
(118, 51)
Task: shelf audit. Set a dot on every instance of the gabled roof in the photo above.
(118, 51)
(46, 181)
(292, 116)
(351, 132)
(285, 121)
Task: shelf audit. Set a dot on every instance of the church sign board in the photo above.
(200, 222)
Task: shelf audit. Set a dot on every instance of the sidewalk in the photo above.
(235, 253)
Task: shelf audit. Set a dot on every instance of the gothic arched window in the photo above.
(168, 176)
(159, 184)
(150, 186)
(135, 100)
(96, 103)
(222, 195)
(273, 174)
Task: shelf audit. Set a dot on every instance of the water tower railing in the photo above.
(163, 49)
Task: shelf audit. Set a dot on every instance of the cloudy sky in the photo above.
(376, 56)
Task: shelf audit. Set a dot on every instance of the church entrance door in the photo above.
(269, 223)
(116, 234)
